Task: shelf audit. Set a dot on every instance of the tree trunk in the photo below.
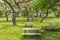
(28, 18)
(28, 15)
(44, 17)
(32, 17)
(6, 14)
(14, 18)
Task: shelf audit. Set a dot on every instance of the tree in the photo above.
(27, 6)
(13, 10)
(28, 9)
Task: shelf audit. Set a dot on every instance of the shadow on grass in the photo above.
(56, 30)
(30, 37)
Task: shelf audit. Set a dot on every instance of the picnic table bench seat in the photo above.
(31, 29)
(31, 33)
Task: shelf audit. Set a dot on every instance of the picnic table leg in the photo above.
(25, 25)
(37, 31)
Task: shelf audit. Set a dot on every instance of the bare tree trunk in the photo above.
(44, 17)
(28, 16)
(14, 18)
(6, 14)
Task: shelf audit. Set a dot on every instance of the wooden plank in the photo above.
(31, 29)
(31, 33)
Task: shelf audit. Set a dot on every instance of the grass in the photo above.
(10, 32)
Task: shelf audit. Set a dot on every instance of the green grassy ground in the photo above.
(9, 32)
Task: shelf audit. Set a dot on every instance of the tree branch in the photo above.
(17, 4)
(9, 5)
